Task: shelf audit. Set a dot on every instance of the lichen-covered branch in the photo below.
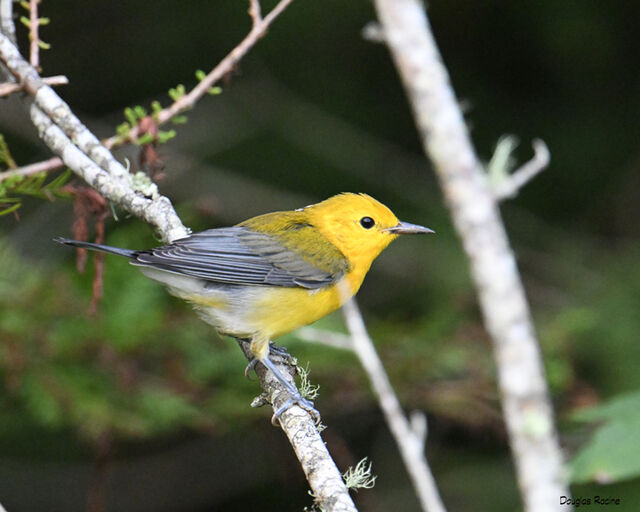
(525, 397)
(409, 434)
(82, 152)
(325, 480)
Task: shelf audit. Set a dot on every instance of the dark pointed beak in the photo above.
(406, 228)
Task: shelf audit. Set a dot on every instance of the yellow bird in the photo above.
(273, 273)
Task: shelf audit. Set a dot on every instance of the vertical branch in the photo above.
(34, 38)
(525, 399)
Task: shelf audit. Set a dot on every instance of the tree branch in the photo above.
(409, 436)
(81, 151)
(510, 185)
(27, 170)
(34, 38)
(525, 397)
(188, 101)
(7, 27)
(325, 480)
(226, 65)
(10, 88)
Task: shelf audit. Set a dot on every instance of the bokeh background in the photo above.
(142, 407)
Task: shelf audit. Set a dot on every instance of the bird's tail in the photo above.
(127, 253)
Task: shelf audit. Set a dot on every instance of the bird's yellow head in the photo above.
(359, 226)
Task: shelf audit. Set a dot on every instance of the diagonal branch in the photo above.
(260, 25)
(410, 441)
(226, 65)
(525, 397)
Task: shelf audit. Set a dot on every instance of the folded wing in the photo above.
(238, 255)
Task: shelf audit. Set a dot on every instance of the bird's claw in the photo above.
(251, 366)
(296, 399)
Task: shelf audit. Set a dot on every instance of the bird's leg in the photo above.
(260, 349)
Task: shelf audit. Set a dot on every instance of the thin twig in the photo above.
(226, 65)
(527, 408)
(324, 337)
(255, 11)
(34, 38)
(188, 101)
(509, 187)
(9, 88)
(44, 166)
(410, 440)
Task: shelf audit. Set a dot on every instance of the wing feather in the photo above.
(238, 255)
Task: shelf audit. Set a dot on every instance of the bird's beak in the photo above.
(406, 228)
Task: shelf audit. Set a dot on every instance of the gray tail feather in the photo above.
(127, 253)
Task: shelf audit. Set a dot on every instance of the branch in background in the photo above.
(34, 38)
(81, 151)
(508, 185)
(10, 88)
(27, 170)
(409, 436)
(188, 101)
(226, 65)
(525, 396)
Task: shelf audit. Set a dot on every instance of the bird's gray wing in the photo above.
(237, 255)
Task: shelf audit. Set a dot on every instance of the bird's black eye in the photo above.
(367, 222)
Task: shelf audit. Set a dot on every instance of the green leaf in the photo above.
(5, 154)
(200, 75)
(140, 111)
(214, 91)
(147, 138)
(614, 409)
(59, 181)
(176, 93)
(179, 119)
(10, 209)
(166, 135)
(130, 115)
(43, 45)
(123, 129)
(613, 452)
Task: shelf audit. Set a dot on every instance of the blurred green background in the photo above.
(142, 407)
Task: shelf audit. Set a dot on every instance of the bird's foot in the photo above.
(281, 352)
(296, 399)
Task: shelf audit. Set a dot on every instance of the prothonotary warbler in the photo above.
(276, 272)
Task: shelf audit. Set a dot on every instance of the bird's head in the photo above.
(359, 226)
